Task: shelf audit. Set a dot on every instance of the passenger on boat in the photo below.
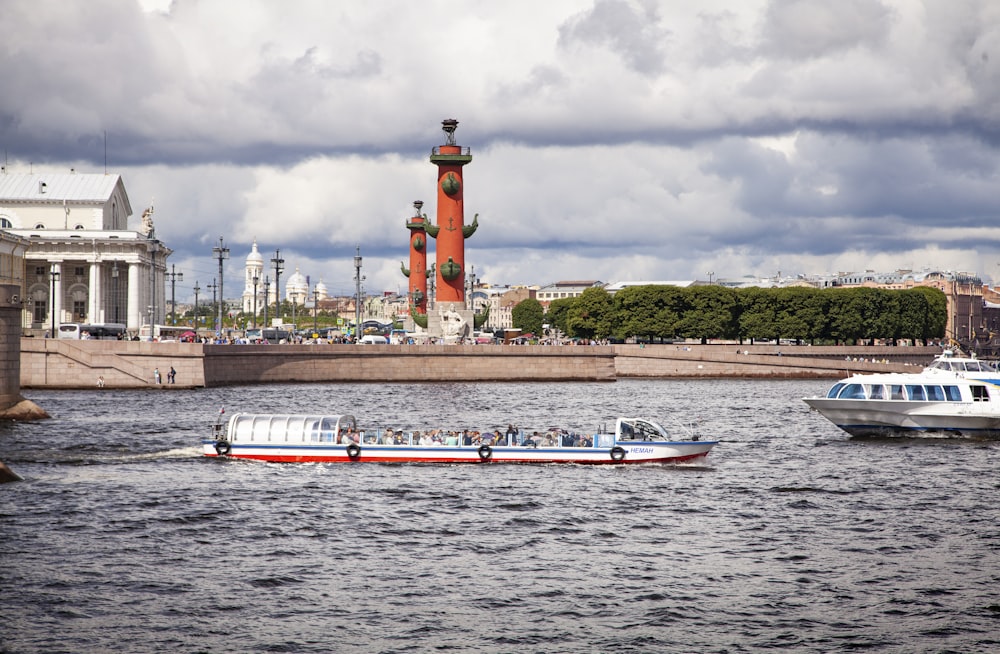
(451, 438)
(388, 438)
(425, 439)
(466, 437)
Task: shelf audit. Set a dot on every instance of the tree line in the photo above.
(658, 312)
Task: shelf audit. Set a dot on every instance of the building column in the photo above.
(135, 308)
(57, 291)
(94, 295)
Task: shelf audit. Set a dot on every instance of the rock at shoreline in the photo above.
(8, 475)
(23, 411)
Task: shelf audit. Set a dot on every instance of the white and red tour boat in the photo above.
(337, 438)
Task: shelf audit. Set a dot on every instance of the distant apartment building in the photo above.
(564, 289)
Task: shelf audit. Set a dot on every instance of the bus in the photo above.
(273, 335)
(108, 331)
(164, 332)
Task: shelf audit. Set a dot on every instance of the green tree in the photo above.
(527, 316)
(880, 312)
(912, 315)
(558, 311)
(758, 314)
(845, 322)
(592, 315)
(648, 311)
(802, 315)
(936, 322)
(714, 313)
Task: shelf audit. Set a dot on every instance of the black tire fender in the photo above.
(617, 453)
(485, 453)
(353, 451)
(222, 448)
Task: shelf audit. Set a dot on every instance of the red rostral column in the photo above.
(450, 230)
(418, 261)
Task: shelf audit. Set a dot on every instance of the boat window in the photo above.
(853, 392)
(915, 392)
(312, 428)
(952, 393)
(262, 428)
(242, 429)
(835, 390)
(934, 393)
(875, 392)
(896, 392)
(980, 393)
(328, 429)
(297, 428)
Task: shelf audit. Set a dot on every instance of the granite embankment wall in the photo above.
(47, 363)
(10, 315)
(766, 361)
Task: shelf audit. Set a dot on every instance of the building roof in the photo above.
(56, 187)
(617, 286)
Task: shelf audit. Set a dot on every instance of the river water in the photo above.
(792, 537)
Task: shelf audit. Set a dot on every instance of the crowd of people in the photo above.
(512, 437)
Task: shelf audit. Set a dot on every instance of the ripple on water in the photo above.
(792, 537)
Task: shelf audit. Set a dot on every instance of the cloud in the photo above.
(612, 139)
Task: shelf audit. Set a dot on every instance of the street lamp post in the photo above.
(54, 274)
(255, 280)
(213, 286)
(197, 289)
(472, 286)
(357, 298)
(279, 265)
(267, 298)
(174, 278)
(315, 311)
(222, 253)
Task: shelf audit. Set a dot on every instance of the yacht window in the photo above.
(835, 390)
(952, 393)
(896, 392)
(980, 393)
(915, 392)
(934, 393)
(875, 392)
(853, 392)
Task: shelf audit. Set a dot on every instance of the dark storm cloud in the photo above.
(656, 137)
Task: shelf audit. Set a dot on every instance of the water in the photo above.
(791, 538)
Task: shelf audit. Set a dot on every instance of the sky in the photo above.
(612, 140)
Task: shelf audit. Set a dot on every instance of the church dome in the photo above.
(255, 257)
(296, 283)
(321, 290)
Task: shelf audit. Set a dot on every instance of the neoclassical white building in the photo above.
(82, 263)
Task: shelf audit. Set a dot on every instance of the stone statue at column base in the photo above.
(451, 322)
